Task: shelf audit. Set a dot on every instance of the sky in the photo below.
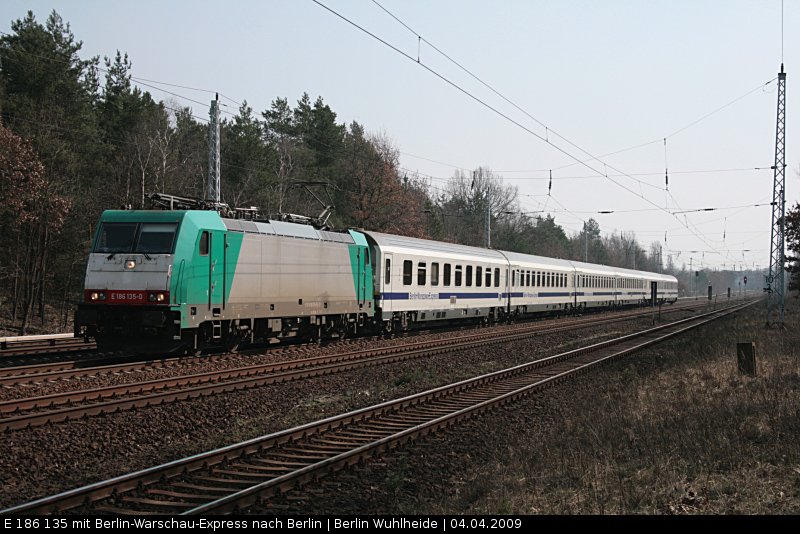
(581, 80)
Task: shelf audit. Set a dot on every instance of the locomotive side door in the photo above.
(361, 286)
(216, 271)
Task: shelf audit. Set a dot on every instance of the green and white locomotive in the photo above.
(187, 279)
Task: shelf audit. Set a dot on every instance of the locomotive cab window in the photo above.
(144, 238)
(156, 238)
(204, 244)
(115, 237)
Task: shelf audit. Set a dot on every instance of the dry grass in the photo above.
(675, 430)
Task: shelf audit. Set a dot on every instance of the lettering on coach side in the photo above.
(423, 296)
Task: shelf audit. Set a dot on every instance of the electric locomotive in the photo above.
(188, 279)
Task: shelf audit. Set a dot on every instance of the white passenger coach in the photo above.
(418, 280)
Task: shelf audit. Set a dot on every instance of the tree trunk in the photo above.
(15, 301)
(42, 271)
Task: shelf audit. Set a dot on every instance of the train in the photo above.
(184, 280)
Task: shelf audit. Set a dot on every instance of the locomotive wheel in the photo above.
(232, 341)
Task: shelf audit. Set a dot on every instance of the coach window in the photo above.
(421, 273)
(459, 270)
(204, 244)
(447, 274)
(488, 277)
(407, 273)
(478, 276)
(496, 277)
(435, 274)
(469, 276)
(527, 278)
(388, 275)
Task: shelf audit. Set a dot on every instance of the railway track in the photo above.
(70, 405)
(237, 476)
(65, 370)
(26, 349)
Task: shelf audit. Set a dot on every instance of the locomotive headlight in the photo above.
(156, 297)
(102, 295)
(95, 295)
(130, 264)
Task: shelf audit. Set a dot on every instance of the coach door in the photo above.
(386, 294)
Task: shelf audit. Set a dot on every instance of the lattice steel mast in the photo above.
(776, 283)
(212, 190)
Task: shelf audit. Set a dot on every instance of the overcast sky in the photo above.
(606, 75)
